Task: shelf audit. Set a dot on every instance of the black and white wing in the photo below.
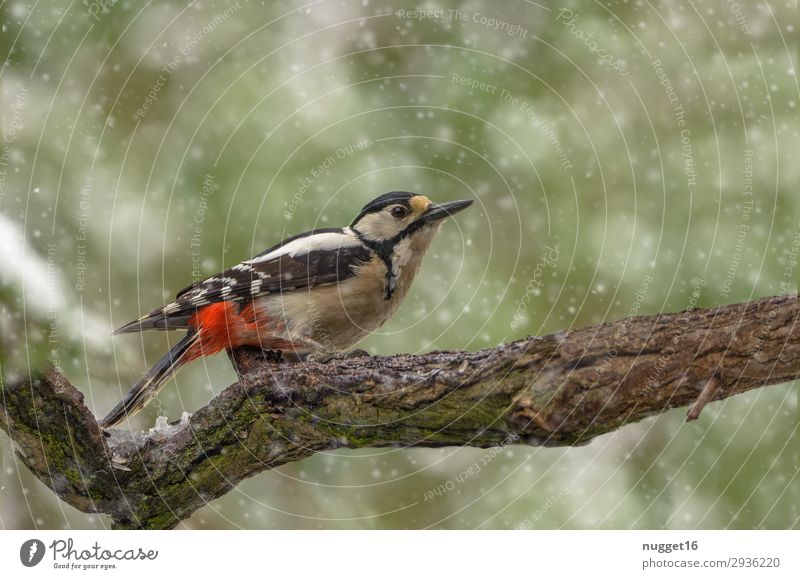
(319, 257)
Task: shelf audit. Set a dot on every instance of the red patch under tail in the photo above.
(225, 325)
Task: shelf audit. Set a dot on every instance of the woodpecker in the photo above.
(311, 296)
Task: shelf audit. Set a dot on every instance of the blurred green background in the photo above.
(653, 145)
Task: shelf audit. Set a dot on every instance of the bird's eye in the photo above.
(399, 212)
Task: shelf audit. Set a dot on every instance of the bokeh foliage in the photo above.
(145, 144)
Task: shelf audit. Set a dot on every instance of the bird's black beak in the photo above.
(437, 211)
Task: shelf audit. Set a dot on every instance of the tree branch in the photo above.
(557, 390)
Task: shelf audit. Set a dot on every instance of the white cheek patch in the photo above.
(378, 226)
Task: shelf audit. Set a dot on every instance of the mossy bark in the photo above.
(558, 390)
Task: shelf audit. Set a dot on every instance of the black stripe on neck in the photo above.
(384, 249)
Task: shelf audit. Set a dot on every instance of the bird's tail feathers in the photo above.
(157, 320)
(145, 389)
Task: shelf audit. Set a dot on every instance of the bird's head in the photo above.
(395, 216)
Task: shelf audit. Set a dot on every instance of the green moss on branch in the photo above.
(557, 390)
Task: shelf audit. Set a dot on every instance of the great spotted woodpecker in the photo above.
(312, 295)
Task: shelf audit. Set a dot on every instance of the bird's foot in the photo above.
(327, 356)
(248, 358)
(275, 356)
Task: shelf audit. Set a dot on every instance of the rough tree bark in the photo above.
(557, 390)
